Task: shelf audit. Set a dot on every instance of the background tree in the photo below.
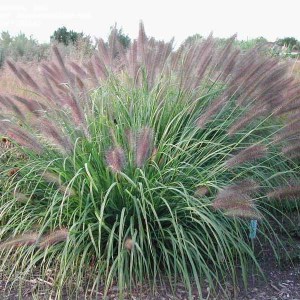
(65, 36)
(190, 40)
(289, 42)
(123, 38)
(21, 47)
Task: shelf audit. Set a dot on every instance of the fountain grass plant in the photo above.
(146, 165)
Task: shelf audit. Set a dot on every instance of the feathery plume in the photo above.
(248, 213)
(213, 109)
(32, 106)
(79, 83)
(288, 131)
(100, 69)
(22, 137)
(229, 64)
(251, 153)
(60, 61)
(115, 159)
(77, 111)
(292, 151)
(290, 101)
(253, 113)
(50, 75)
(27, 79)
(144, 145)
(225, 52)
(53, 238)
(235, 200)
(103, 53)
(52, 177)
(205, 58)
(245, 186)
(25, 239)
(79, 70)
(288, 107)
(92, 73)
(14, 70)
(154, 154)
(287, 192)
(142, 42)
(132, 61)
(52, 132)
(11, 107)
(131, 138)
(230, 200)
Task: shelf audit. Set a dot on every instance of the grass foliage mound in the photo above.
(146, 165)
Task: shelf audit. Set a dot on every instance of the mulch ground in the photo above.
(280, 283)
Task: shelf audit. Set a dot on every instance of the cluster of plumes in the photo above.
(257, 86)
(289, 136)
(260, 83)
(60, 99)
(34, 238)
(140, 143)
(237, 200)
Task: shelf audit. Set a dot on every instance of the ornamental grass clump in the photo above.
(144, 164)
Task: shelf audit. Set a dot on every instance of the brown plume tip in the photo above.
(55, 237)
(154, 154)
(129, 244)
(201, 191)
(230, 201)
(20, 197)
(13, 171)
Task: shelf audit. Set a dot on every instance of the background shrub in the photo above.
(21, 48)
